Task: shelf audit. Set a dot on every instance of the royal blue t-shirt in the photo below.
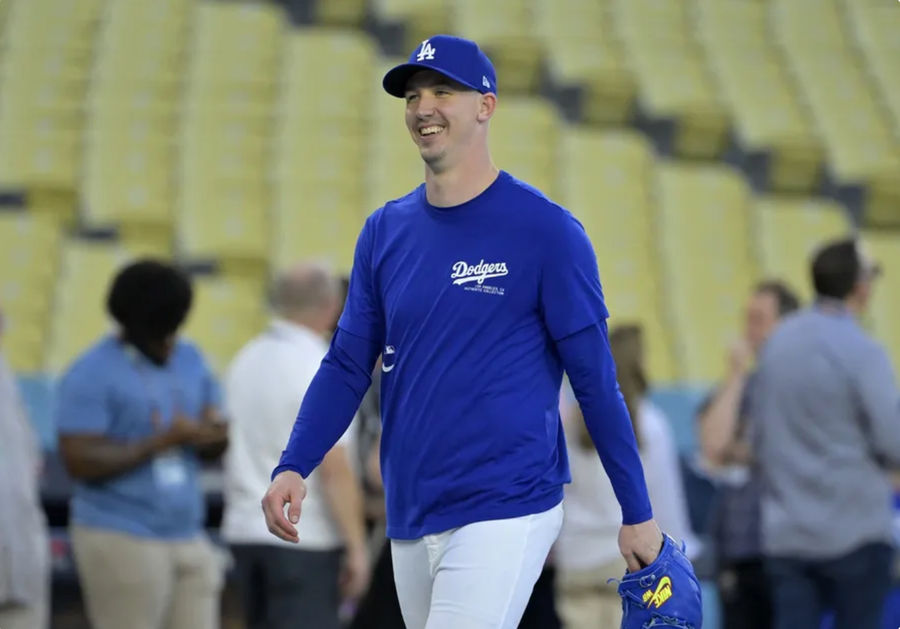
(114, 391)
(467, 303)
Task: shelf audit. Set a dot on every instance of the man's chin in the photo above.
(430, 156)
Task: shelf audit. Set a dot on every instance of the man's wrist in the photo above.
(286, 467)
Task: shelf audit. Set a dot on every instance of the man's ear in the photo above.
(486, 106)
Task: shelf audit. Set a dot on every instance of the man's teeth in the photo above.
(431, 130)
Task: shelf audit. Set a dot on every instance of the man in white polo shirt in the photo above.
(282, 582)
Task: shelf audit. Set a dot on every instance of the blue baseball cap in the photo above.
(454, 57)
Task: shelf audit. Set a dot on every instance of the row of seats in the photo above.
(716, 71)
(225, 138)
(760, 94)
(671, 240)
(861, 146)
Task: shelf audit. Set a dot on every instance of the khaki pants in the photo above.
(147, 583)
(586, 601)
(24, 617)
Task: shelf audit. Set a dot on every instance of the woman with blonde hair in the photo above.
(586, 552)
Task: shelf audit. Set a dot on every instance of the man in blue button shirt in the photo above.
(477, 291)
(136, 413)
(826, 418)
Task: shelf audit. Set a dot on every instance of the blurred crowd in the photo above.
(797, 446)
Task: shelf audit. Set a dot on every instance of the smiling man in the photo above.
(479, 291)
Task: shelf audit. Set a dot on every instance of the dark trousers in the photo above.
(379, 608)
(283, 588)
(745, 595)
(540, 613)
(854, 586)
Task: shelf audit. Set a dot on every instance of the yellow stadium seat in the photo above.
(210, 119)
(788, 231)
(349, 71)
(604, 179)
(127, 199)
(142, 64)
(884, 311)
(50, 62)
(598, 67)
(174, 14)
(29, 244)
(225, 228)
(43, 11)
(706, 264)
(341, 12)
(847, 104)
(137, 92)
(320, 229)
(673, 82)
(23, 344)
(524, 137)
(147, 239)
(226, 313)
(37, 161)
(79, 317)
(62, 35)
(750, 75)
(505, 30)
(245, 23)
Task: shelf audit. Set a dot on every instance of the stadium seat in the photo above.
(226, 313)
(524, 140)
(320, 148)
(875, 28)
(884, 246)
(394, 165)
(859, 137)
(224, 221)
(128, 183)
(505, 30)
(760, 95)
(582, 52)
(702, 221)
(79, 315)
(673, 83)
(605, 180)
(341, 12)
(787, 232)
(29, 246)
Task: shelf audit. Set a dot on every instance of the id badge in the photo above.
(169, 470)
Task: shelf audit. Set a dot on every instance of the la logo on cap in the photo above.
(426, 52)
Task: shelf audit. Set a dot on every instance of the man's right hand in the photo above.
(288, 488)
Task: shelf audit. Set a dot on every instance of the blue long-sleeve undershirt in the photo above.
(344, 376)
(587, 359)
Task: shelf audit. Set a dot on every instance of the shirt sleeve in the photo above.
(81, 403)
(363, 314)
(587, 359)
(330, 402)
(876, 386)
(571, 297)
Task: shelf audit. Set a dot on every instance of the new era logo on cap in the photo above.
(459, 59)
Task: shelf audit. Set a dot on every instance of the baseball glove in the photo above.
(664, 594)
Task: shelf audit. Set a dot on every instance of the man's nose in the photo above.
(425, 107)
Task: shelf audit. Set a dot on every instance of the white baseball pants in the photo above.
(477, 576)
